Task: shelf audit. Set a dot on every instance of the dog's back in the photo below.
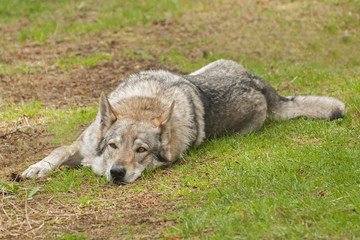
(233, 100)
(238, 101)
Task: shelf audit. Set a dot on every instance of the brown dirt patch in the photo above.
(81, 87)
(23, 146)
(114, 215)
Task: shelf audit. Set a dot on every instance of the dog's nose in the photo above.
(117, 172)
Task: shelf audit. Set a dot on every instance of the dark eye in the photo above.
(112, 145)
(141, 150)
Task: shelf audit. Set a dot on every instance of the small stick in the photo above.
(2, 204)
(26, 212)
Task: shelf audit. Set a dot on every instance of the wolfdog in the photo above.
(153, 117)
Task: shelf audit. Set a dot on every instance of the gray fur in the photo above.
(153, 117)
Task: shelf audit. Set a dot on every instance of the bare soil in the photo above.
(81, 87)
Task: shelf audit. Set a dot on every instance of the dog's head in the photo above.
(134, 137)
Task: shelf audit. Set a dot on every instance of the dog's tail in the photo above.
(282, 108)
(307, 106)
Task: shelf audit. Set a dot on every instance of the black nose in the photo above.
(117, 172)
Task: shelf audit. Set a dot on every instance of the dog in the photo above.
(153, 117)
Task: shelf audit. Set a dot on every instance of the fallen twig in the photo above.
(2, 204)
(26, 212)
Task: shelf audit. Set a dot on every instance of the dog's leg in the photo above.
(82, 151)
(72, 155)
(65, 155)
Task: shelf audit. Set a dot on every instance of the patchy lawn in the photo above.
(292, 179)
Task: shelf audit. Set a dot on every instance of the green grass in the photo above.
(296, 179)
(68, 121)
(66, 64)
(74, 62)
(66, 236)
(20, 68)
(72, 180)
(65, 123)
(109, 15)
(38, 33)
(12, 10)
(17, 191)
(12, 111)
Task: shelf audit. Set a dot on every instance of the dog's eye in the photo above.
(141, 150)
(113, 145)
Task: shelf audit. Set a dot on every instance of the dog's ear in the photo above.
(107, 114)
(165, 116)
(163, 122)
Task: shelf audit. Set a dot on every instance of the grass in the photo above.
(108, 15)
(63, 123)
(72, 180)
(74, 62)
(18, 191)
(66, 236)
(22, 68)
(291, 180)
(12, 111)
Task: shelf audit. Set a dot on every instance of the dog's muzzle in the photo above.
(117, 174)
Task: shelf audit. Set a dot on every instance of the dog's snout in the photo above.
(117, 172)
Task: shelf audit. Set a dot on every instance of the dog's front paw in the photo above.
(37, 170)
